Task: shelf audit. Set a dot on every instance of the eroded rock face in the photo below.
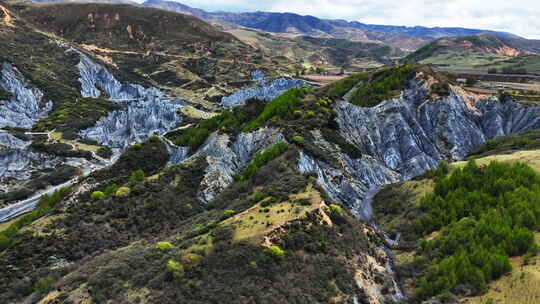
(18, 163)
(23, 108)
(147, 111)
(25, 105)
(226, 158)
(266, 91)
(404, 137)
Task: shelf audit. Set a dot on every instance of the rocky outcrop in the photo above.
(266, 91)
(18, 163)
(404, 137)
(226, 158)
(147, 111)
(411, 133)
(25, 105)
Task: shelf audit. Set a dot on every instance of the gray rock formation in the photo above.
(226, 158)
(18, 163)
(25, 105)
(146, 112)
(23, 109)
(264, 92)
(404, 137)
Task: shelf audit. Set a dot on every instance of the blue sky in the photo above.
(522, 18)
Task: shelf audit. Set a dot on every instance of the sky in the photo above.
(521, 18)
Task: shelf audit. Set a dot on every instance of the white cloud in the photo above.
(502, 15)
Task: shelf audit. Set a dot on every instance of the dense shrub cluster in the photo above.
(486, 215)
(230, 121)
(383, 86)
(262, 159)
(279, 107)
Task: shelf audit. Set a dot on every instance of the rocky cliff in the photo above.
(403, 137)
(226, 157)
(146, 110)
(25, 105)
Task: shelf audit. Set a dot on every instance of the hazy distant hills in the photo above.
(481, 52)
(408, 38)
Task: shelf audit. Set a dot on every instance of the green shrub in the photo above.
(153, 138)
(44, 285)
(175, 268)
(164, 246)
(123, 192)
(276, 252)
(111, 189)
(298, 139)
(192, 259)
(137, 176)
(257, 197)
(336, 209)
(97, 195)
(229, 212)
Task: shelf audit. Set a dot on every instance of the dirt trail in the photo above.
(95, 48)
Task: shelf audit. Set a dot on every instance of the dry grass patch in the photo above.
(192, 112)
(529, 157)
(57, 137)
(256, 222)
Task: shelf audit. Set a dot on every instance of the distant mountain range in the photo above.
(407, 38)
(403, 37)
